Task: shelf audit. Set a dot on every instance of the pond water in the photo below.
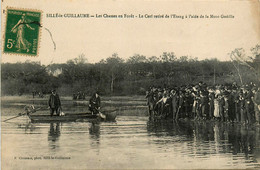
(130, 142)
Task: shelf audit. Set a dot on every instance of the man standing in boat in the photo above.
(94, 103)
(54, 103)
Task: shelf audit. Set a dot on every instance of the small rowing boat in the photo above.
(30, 112)
(72, 117)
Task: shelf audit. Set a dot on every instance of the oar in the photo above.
(22, 114)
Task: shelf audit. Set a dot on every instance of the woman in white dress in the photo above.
(216, 105)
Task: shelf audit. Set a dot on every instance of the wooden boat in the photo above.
(72, 117)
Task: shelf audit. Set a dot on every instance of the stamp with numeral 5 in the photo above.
(22, 32)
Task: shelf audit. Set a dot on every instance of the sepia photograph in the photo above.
(124, 84)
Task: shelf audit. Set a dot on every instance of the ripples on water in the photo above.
(130, 142)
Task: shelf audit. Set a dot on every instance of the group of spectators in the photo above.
(79, 96)
(227, 103)
(35, 93)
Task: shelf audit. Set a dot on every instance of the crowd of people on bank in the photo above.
(221, 102)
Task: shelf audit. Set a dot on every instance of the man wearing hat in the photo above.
(180, 104)
(256, 101)
(211, 97)
(54, 103)
(94, 103)
(174, 104)
(150, 100)
(204, 100)
(249, 107)
(226, 116)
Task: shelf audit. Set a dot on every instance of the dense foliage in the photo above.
(118, 77)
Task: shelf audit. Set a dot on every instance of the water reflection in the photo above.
(54, 134)
(206, 139)
(94, 130)
(135, 142)
(28, 127)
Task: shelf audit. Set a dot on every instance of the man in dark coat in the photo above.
(237, 106)
(94, 103)
(226, 106)
(241, 102)
(187, 105)
(256, 101)
(174, 104)
(54, 103)
(221, 103)
(204, 107)
(150, 101)
(180, 105)
(249, 106)
(232, 104)
(211, 104)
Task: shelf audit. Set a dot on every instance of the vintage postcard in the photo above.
(123, 84)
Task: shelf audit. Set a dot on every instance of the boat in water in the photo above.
(72, 117)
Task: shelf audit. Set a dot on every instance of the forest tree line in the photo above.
(116, 76)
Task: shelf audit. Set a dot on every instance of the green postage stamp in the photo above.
(22, 31)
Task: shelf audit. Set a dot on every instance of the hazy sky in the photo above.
(99, 38)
